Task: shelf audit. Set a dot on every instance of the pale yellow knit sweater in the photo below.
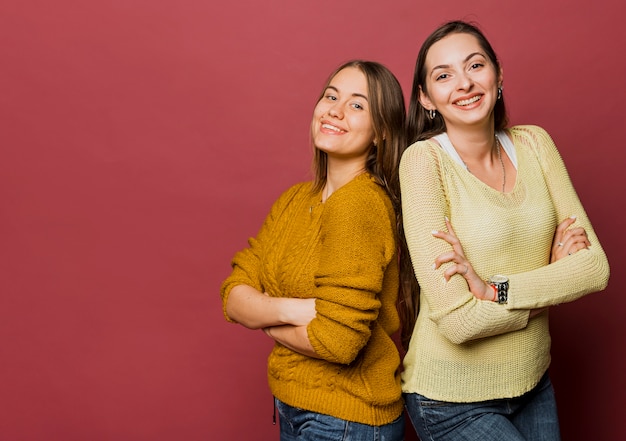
(343, 254)
(468, 350)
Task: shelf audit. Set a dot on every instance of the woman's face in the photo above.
(342, 124)
(461, 81)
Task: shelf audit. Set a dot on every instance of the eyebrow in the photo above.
(469, 57)
(354, 94)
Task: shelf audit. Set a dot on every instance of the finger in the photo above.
(449, 225)
(576, 235)
(446, 257)
(450, 238)
(564, 225)
(453, 234)
(459, 268)
(467, 268)
(579, 231)
(574, 247)
(579, 242)
(562, 228)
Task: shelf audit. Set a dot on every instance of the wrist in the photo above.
(501, 286)
(284, 306)
(494, 292)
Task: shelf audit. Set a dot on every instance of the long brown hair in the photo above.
(419, 124)
(388, 113)
(420, 127)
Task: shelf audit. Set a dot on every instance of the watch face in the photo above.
(499, 279)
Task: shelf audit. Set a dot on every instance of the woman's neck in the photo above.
(473, 143)
(339, 173)
(484, 157)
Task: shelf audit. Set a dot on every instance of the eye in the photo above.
(476, 65)
(442, 77)
(358, 106)
(331, 97)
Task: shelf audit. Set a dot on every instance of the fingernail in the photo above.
(434, 266)
(573, 217)
(434, 232)
(447, 220)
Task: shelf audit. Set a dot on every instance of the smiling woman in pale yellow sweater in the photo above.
(321, 276)
(476, 367)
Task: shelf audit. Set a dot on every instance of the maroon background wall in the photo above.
(142, 142)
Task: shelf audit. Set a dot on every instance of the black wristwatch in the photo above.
(501, 285)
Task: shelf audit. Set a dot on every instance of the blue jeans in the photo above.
(531, 417)
(303, 425)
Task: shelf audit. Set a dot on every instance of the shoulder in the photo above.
(360, 201)
(530, 135)
(292, 196)
(299, 190)
(359, 218)
(534, 139)
(362, 194)
(421, 157)
(427, 147)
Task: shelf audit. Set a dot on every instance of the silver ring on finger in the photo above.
(560, 244)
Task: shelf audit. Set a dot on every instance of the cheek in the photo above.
(438, 94)
(319, 110)
(317, 115)
(313, 127)
(367, 127)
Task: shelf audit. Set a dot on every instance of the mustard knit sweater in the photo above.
(464, 349)
(343, 254)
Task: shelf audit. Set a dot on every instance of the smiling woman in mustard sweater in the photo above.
(321, 276)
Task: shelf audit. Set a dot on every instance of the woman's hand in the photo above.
(567, 241)
(478, 287)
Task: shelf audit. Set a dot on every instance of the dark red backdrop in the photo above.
(142, 143)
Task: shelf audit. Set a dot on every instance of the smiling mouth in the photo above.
(468, 101)
(331, 127)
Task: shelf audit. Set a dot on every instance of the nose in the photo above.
(465, 81)
(336, 110)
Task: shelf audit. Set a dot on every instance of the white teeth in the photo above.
(328, 126)
(468, 101)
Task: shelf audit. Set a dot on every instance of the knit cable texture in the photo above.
(343, 254)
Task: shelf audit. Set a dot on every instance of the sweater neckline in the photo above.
(446, 145)
(444, 141)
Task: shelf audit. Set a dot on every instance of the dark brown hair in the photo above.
(420, 127)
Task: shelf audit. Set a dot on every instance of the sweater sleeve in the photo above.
(570, 278)
(358, 243)
(459, 316)
(246, 263)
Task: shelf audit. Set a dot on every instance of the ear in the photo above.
(500, 75)
(425, 101)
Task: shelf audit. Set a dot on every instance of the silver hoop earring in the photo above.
(432, 113)
(499, 92)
